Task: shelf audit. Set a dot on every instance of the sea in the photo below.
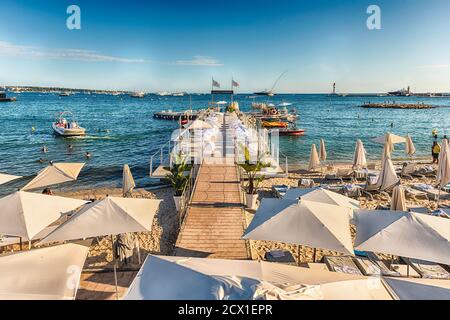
(121, 130)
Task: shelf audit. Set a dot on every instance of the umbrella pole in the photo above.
(115, 269)
(298, 254)
(20, 243)
(29, 244)
(314, 255)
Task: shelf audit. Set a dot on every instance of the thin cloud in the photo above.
(205, 61)
(9, 49)
(436, 66)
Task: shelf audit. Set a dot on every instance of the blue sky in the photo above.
(180, 45)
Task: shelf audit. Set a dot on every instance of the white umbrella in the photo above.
(110, 216)
(221, 102)
(127, 180)
(321, 195)
(443, 171)
(388, 176)
(410, 148)
(198, 124)
(323, 150)
(314, 161)
(418, 289)
(405, 234)
(25, 214)
(42, 274)
(54, 174)
(4, 178)
(172, 278)
(398, 201)
(314, 224)
(389, 136)
(359, 157)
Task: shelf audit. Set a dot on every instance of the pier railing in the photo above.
(188, 191)
(158, 158)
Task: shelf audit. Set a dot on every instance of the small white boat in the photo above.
(66, 126)
(137, 95)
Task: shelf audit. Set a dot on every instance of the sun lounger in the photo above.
(377, 263)
(280, 256)
(431, 191)
(341, 175)
(317, 266)
(306, 183)
(443, 213)
(423, 210)
(280, 190)
(342, 264)
(405, 270)
(414, 193)
(428, 270)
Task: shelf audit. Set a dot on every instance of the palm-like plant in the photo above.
(251, 170)
(176, 176)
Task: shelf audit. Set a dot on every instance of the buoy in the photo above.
(33, 129)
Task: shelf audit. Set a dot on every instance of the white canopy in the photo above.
(198, 124)
(321, 195)
(405, 234)
(323, 150)
(418, 289)
(127, 180)
(410, 148)
(4, 178)
(359, 157)
(314, 224)
(174, 278)
(109, 216)
(393, 138)
(42, 274)
(54, 174)
(388, 177)
(221, 102)
(443, 170)
(314, 161)
(25, 214)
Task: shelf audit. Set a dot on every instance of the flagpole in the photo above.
(232, 93)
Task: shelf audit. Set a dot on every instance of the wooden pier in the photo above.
(173, 115)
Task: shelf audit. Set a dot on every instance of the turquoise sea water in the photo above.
(122, 130)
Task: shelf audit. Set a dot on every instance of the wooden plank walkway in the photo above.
(214, 222)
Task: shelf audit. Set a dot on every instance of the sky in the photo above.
(180, 45)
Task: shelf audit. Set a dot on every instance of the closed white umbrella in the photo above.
(388, 177)
(50, 273)
(54, 174)
(398, 201)
(443, 170)
(323, 150)
(314, 224)
(172, 278)
(26, 214)
(314, 161)
(405, 234)
(4, 178)
(410, 148)
(127, 181)
(359, 157)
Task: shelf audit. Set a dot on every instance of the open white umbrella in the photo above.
(323, 150)
(25, 214)
(314, 224)
(54, 174)
(418, 289)
(314, 161)
(110, 216)
(389, 137)
(198, 124)
(4, 178)
(398, 201)
(172, 278)
(127, 180)
(410, 148)
(322, 195)
(405, 234)
(43, 274)
(359, 157)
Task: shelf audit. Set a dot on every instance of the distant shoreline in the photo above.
(398, 106)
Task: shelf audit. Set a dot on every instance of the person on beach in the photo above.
(47, 191)
(435, 150)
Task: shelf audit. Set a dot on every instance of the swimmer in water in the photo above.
(87, 155)
(44, 149)
(392, 124)
(41, 160)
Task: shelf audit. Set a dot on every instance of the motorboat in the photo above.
(4, 98)
(274, 124)
(67, 126)
(291, 132)
(65, 94)
(137, 95)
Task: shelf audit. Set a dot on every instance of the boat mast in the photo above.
(278, 79)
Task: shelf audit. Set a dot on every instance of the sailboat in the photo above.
(270, 92)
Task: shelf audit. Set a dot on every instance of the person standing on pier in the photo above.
(435, 150)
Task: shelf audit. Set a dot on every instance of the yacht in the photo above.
(4, 98)
(66, 125)
(65, 94)
(137, 95)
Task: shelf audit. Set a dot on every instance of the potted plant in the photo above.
(253, 179)
(178, 179)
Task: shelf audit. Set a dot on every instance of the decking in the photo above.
(214, 223)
